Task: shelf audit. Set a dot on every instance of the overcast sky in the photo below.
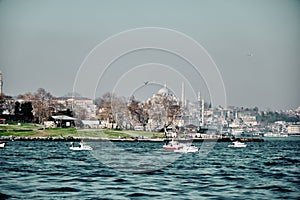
(254, 44)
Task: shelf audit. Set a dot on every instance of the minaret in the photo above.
(182, 94)
(199, 107)
(202, 113)
(1, 83)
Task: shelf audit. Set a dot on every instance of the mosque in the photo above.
(160, 104)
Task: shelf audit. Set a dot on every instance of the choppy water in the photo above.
(49, 170)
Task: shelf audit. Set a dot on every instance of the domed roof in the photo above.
(163, 91)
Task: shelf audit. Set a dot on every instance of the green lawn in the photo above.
(15, 126)
(30, 130)
(14, 129)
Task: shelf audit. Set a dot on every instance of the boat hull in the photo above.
(171, 148)
(187, 150)
(237, 144)
(82, 147)
(2, 145)
(85, 148)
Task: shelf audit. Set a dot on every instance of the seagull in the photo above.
(250, 54)
(146, 82)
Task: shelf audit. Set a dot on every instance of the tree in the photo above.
(26, 111)
(121, 113)
(139, 112)
(80, 115)
(173, 111)
(42, 105)
(171, 108)
(105, 107)
(133, 108)
(17, 110)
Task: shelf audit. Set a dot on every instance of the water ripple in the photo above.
(49, 170)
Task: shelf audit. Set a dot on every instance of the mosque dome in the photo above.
(163, 91)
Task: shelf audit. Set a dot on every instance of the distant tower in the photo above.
(201, 109)
(202, 113)
(199, 104)
(182, 94)
(1, 83)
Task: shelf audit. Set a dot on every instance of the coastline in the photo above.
(91, 139)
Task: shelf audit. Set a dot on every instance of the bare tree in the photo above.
(80, 114)
(105, 107)
(42, 105)
(139, 111)
(120, 112)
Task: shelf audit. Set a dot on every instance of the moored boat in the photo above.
(2, 144)
(173, 145)
(188, 148)
(82, 147)
(237, 144)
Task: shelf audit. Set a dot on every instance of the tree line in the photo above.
(39, 106)
(127, 114)
(34, 107)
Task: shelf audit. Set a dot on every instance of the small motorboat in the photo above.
(82, 147)
(188, 148)
(2, 144)
(173, 145)
(237, 144)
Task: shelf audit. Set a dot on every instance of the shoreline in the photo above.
(91, 139)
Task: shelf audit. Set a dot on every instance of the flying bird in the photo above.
(146, 82)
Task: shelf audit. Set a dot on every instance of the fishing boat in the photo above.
(173, 145)
(178, 144)
(2, 144)
(187, 148)
(82, 147)
(237, 144)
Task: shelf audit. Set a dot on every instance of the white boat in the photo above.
(82, 147)
(188, 148)
(275, 135)
(2, 144)
(173, 145)
(237, 144)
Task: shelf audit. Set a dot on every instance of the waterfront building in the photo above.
(249, 120)
(63, 121)
(78, 104)
(293, 129)
(91, 123)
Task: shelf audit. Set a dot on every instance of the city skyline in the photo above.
(254, 44)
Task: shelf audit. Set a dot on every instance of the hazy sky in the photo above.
(255, 45)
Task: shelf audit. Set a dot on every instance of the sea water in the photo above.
(50, 170)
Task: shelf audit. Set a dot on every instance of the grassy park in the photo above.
(33, 130)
